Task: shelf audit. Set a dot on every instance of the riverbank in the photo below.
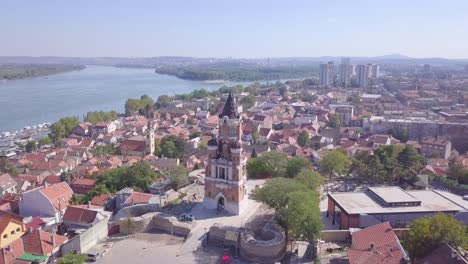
(9, 141)
(95, 88)
(10, 72)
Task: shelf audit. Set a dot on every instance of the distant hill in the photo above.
(154, 62)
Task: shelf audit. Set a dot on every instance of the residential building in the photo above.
(82, 185)
(7, 184)
(376, 244)
(226, 170)
(11, 229)
(89, 225)
(47, 201)
(327, 74)
(128, 197)
(42, 243)
(392, 204)
(444, 254)
(82, 129)
(344, 72)
(263, 121)
(362, 72)
(436, 147)
(104, 127)
(375, 71)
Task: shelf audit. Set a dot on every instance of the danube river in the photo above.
(47, 99)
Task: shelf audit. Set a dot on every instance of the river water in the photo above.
(47, 99)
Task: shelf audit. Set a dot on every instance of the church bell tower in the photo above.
(225, 175)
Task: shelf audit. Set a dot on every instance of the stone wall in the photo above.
(267, 247)
(335, 235)
(136, 210)
(171, 225)
(159, 221)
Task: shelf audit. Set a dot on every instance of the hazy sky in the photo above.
(236, 28)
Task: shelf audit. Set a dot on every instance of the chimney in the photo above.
(53, 239)
(89, 204)
(372, 246)
(46, 184)
(30, 230)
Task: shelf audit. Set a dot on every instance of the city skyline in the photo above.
(261, 29)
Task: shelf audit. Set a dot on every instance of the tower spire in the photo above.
(230, 108)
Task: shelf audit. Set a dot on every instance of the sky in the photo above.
(235, 28)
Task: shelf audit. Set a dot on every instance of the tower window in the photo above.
(233, 132)
(222, 173)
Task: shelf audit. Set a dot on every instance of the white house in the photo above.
(7, 184)
(47, 201)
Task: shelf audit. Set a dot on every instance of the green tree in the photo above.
(303, 139)
(268, 164)
(179, 177)
(135, 105)
(255, 137)
(73, 258)
(62, 128)
(311, 179)
(254, 154)
(302, 215)
(409, 158)
(295, 165)
(335, 161)
(31, 146)
(65, 176)
(334, 121)
(455, 169)
(247, 101)
(195, 134)
(293, 202)
(170, 147)
(100, 116)
(45, 141)
(428, 233)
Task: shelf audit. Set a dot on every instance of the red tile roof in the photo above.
(79, 215)
(6, 181)
(39, 242)
(133, 145)
(35, 223)
(84, 182)
(5, 221)
(52, 179)
(58, 194)
(375, 244)
(100, 200)
(138, 197)
(9, 256)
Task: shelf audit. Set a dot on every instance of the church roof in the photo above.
(230, 108)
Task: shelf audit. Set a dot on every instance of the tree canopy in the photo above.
(100, 116)
(388, 163)
(139, 175)
(334, 121)
(170, 147)
(179, 177)
(335, 161)
(296, 202)
(303, 139)
(62, 128)
(268, 164)
(275, 164)
(135, 105)
(428, 233)
(73, 258)
(248, 101)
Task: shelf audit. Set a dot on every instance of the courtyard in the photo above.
(157, 247)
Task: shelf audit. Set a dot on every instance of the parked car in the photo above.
(186, 218)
